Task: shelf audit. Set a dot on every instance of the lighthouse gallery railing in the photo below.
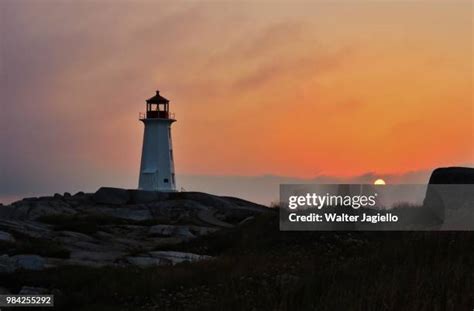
(156, 115)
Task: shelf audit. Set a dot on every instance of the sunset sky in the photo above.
(281, 88)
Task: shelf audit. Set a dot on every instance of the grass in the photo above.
(257, 267)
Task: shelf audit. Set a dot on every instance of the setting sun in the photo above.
(379, 182)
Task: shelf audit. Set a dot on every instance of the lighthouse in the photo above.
(157, 165)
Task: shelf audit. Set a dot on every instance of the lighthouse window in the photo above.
(165, 180)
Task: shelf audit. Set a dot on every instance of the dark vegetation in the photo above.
(257, 267)
(29, 245)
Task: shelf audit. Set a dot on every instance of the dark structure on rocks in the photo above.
(449, 188)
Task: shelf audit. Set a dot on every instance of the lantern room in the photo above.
(157, 107)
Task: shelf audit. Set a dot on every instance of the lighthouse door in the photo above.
(150, 179)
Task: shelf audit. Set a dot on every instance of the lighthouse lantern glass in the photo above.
(157, 110)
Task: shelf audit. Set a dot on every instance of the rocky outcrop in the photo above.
(113, 196)
(30, 290)
(159, 258)
(170, 230)
(452, 176)
(10, 264)
(6, 237)
(29, 262)
(7, 264)
(450, 197)
(113, 227)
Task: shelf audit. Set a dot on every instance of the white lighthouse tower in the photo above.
(157, 166)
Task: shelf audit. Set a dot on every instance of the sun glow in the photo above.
(379, 182)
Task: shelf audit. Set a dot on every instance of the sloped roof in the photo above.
(157, 99)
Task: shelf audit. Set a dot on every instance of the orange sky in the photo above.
(326, 89)
(285, 88)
